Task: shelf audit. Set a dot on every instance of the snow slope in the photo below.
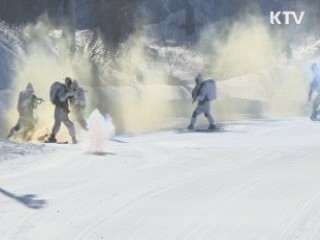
(258, 180)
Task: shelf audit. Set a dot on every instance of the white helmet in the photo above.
(29, 88)
(74, 84)
(199, 78)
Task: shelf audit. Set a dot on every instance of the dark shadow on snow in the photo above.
(28, 200)
(102, 153)
(204, 129)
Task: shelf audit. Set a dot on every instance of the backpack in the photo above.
(55, 87)
(211, 89)
(208, 88)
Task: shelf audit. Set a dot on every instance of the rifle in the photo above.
(39, 100)
(195, 94)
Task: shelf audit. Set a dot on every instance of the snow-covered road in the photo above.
(258, 180)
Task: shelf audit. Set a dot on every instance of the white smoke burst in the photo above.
(101, 130)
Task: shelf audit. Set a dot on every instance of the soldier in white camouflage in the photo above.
(78, 104)
(27, 103)
(60, 95)
(204, 92)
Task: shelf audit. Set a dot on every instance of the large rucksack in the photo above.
(55, 87)
(208, 88)
(211, 89)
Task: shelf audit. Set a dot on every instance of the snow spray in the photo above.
(101, 130)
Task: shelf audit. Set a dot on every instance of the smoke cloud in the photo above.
(130, 89)
(141, 90)
(255, 78)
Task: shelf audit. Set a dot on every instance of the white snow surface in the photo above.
(255, 180)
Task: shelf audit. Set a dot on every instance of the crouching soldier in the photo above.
(78, 104)
(60, 94)
(27, 103)
(315, 87)
(204, 92)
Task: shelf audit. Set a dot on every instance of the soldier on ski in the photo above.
(78, 104)
(204, 92)
(27, 103)
(315, 87)
(60, 95)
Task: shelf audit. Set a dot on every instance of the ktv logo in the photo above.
(286, 17)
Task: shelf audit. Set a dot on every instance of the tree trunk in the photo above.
(190, 19)
(69, 14)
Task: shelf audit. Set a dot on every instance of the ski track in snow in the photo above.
(254, 181)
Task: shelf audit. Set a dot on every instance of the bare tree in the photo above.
(116, 20)
(69, 20)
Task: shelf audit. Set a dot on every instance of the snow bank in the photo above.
(4, 103)
(10, 150)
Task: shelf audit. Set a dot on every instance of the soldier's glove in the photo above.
(70, 94)
(40, 100)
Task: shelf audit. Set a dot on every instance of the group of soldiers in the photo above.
(70, 95)
(66, 97)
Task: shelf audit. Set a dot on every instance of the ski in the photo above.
(118, 140)
(66, 142)
(219, 128)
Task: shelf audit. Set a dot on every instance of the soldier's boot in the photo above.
(212, 127)
(74, 140)
(52, 139)
(190, 127)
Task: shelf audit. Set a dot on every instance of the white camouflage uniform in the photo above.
(78, 104)
(61, 113)
(27, 102)
(200, 94)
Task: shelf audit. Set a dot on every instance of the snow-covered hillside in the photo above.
(256, 180)
(10, 46)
